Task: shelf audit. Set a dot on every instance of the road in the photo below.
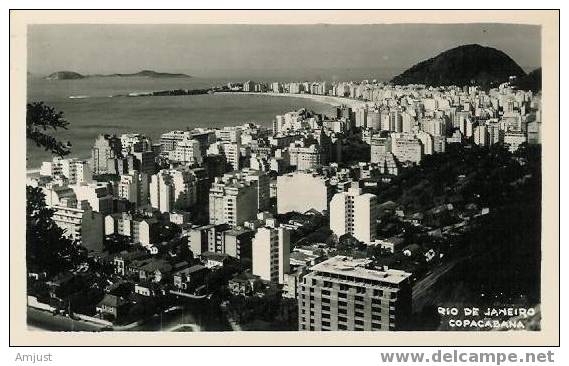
(420, 289)
(40, 320)
(198, 316)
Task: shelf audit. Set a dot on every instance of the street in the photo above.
(41, 320)
(420, 289)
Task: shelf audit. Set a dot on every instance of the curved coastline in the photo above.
(326, 99)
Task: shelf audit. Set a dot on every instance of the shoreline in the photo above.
(325, 99)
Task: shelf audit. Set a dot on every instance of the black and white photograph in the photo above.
(285, 178)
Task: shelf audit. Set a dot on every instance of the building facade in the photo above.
(271, 253)
(343, 293)
(355, 213)
(303, 191)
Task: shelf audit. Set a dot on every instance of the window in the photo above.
(342, 319)
(326, 300)
(377, 292)
(326, 292)
(342, 295)
(359, 306)
(325, 308)
(342, 311)
(342, 327)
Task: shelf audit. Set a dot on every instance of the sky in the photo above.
(264, 50)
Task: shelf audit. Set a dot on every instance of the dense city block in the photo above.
(407, 198)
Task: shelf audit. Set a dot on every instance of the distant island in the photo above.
(64, 75)
(71, 75)
(471, 64)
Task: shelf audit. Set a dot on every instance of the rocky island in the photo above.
(71, 75)
(64, 75)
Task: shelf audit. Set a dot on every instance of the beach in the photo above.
(325, 99)
(151, 116)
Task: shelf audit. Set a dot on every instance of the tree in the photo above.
(41, 118)
(47, 248)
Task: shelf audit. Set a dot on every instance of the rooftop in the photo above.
(111, 301)
(347, 266)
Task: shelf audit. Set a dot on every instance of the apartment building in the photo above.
(344, 293)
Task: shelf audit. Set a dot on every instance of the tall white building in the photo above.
(106, 149)
(407, 148)
(75, 170)
(481, 135)
(495, 134)
(232, 152)
(427, 141)
(355, 213)
(129, 188)
(434, 126)
(97, 194)
(305, 157)
(361, 117)
(303, 191)
(379, 147)
(395, 121)
(263, 185)
(134, 142)
(142, 230)
(233, 201)
(271, 252)
(171, 187)
(80, 223)
(186, 151)
(408, 122)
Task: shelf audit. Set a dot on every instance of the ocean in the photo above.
(96, 112)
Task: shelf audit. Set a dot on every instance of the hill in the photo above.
(64, 75)
(70, 75)
(471, 64)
